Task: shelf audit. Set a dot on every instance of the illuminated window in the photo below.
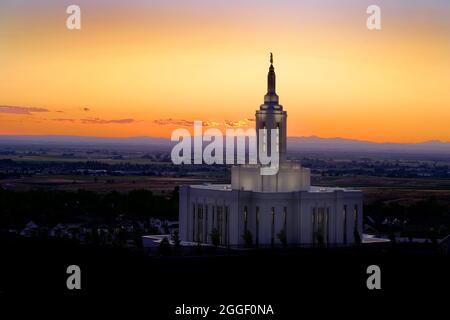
(264, 137)
(278, 137)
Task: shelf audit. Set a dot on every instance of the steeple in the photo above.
(271, 116)
(271, 98)
(271, 77)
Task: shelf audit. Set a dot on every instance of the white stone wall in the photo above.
(299, 214)
(290, 177)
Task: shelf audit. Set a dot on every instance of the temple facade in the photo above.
(270, 210)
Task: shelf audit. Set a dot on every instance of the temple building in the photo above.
(270, 210)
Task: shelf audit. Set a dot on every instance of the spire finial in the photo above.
(271, 94)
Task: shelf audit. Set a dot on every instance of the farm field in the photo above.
(99, 183)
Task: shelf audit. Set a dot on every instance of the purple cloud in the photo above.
(21, 110)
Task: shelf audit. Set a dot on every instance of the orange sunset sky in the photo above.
(147, 67)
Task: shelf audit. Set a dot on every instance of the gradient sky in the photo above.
(148, 67)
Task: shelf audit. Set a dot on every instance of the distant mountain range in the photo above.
(313, 143)
(295, 144)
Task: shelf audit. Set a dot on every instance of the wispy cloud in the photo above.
(210, 123)
(21, 110)
(104, 121)
(64, 120)
(207, 123)
(95, 121)
(174, 122)
(237, 124)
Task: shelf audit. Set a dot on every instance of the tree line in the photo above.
(49, 207)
